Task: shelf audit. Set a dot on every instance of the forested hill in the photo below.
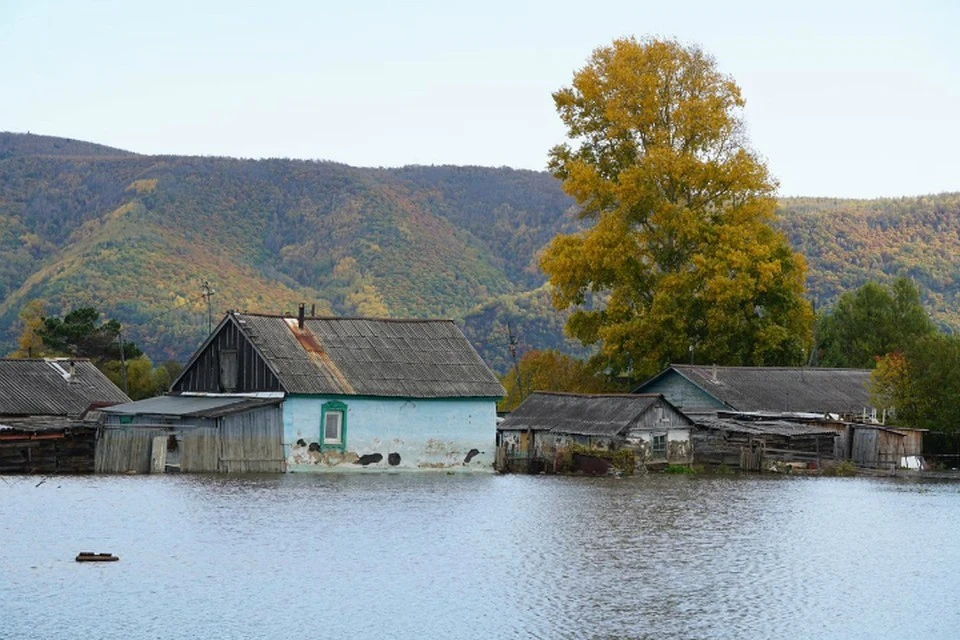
(135, 236)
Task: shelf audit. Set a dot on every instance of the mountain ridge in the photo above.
(135, 235)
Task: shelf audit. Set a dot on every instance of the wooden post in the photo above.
(158, 454)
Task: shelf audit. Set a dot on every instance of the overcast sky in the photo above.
(844, 99)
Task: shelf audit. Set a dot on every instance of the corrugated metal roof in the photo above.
(579, 414)
(45, 387)
(371, 357)
(841, 391)
(190, 406)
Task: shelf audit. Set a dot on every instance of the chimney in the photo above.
(300, 315)
(714, 373)
(72, 372)
(313, 310)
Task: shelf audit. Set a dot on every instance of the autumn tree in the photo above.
(551, 371)
(681, 251)
(871, 322)
(30, 341)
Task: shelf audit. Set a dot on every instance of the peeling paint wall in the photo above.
(384, 434)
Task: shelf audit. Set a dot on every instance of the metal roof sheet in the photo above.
(47, 387)
(785, 428)
(579, 414)
(192, 406)
(784, 389)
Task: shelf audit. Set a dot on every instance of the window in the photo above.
(662, 414)
(333, 428)
(228, 370)
(333, 425)
(659, 447)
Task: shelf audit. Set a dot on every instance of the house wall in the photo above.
(52, 451)
(682, 393)
(454, 434)
(661, 419)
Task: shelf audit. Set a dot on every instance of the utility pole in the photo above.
(513, 354)
(123, 364)
(208, 293)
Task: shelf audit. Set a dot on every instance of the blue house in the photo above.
(328, 394)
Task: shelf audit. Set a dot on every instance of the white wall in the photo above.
(426, 434)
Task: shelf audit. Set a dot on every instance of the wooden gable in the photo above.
(227, 363)
(681, 392)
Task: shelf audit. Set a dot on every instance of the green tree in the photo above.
(681, 251)
(143, 379)
(81, 334)
(923, 383)
(551, 371)
(871, 322)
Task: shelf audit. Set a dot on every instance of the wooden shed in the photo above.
(755, 442)
(546, 424)
(192, 434)
(48, 418)
(879, 447)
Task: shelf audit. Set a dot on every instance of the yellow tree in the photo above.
(30, 342)
(550, 371)
(681, 252)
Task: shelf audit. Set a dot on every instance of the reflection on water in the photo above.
(437, 556)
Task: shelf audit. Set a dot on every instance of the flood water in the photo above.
(438, 556)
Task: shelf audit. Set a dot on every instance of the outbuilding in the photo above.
(49, 414)
(548, 425)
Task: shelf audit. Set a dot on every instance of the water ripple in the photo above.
(436, 556)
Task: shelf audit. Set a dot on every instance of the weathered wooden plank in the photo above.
(158, 454)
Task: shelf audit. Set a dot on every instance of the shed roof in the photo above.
(785, 389)
(370, 356)
(578, 414)
(39, 386)
(190, 406)
(764, 427)
(42, 424)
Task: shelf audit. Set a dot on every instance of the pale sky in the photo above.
(844, 99)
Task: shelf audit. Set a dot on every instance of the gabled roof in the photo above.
(579, 414)
(46, 387)
(782, 389)
(368, 356)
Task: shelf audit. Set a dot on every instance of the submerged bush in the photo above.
(624, 460)
(679, 468)
(843, 469)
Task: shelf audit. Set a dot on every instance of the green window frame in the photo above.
(333, 415)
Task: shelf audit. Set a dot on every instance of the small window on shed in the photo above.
(662, 414)
(659, 447)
